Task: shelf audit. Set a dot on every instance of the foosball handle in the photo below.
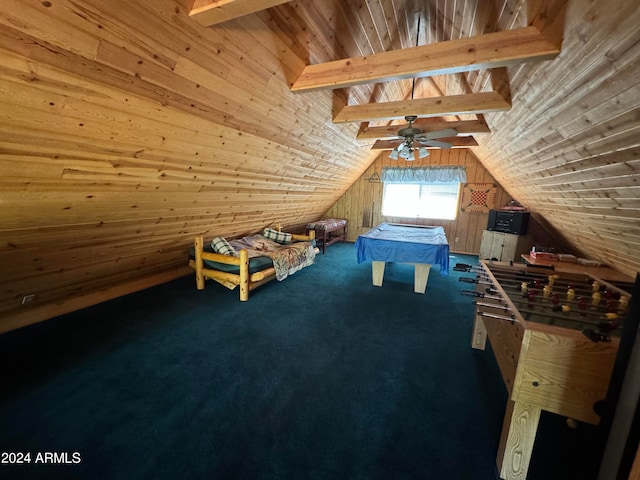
(596, 337)
(462, 267)
(472, 293)
(468, 280)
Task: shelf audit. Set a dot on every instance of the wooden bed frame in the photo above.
(326, 236)
(246, 281)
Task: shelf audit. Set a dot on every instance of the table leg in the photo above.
(377, 272)
(517, 438)
(420, 277)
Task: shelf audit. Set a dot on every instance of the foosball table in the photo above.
(555, 337)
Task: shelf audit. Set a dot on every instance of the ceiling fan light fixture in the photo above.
(420, 139)
(407, 153)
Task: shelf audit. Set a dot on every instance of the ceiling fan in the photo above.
(416, 139)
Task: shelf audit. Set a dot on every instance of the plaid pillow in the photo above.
(276, 236)
(220, 245)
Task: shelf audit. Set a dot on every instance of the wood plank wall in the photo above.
(569, 148)
(361, 203)
(126, 128)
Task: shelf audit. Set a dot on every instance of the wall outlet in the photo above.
(457, 239)
(28, 298)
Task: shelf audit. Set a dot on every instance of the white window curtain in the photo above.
(424, 175)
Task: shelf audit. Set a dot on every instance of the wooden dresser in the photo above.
(504, 247)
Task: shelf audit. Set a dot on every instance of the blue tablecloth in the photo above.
(390, 242)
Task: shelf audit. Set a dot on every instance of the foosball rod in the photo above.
(519, 282)
(583, 313)
(497, 317)
(529, 276)
(601, 323)
(621, 300)
(543, 282)
(497, 306)
(504, 306)
(486, 295)
(558, 289)
(566, 301)
(486, 280)
(557, 280)
(523, 275)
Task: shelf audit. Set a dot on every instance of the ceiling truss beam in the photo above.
(212, 12)
(492, 50)
(472, 103)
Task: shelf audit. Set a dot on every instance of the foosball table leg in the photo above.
(479, 338)
(516, 441)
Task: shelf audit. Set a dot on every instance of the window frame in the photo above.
(423, 214)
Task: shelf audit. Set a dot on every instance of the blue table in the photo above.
(422, 246)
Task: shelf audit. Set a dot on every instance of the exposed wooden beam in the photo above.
(456, 142)
(424, 107)
(464, 127)
(187, 4)
(492, 50)
(500, 82)
(211, 12)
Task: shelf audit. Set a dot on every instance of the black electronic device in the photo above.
(508, 221)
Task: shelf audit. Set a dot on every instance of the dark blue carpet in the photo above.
(322, 376)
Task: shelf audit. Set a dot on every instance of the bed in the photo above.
(251, 261)
(329, 231)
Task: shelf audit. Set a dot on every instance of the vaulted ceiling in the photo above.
(128, 127)
(564, 123)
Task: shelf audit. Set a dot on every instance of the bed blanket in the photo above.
(287, 259)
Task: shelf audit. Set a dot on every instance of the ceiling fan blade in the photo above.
(433, 143)
(447, 132)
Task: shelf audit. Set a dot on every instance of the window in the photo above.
(421, 200)
(426, 192)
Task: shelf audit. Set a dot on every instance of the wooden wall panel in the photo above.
(569, 149)
(126, 129)
(362, 202)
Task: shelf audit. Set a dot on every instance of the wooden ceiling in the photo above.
(454, 52)
(128, 127)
